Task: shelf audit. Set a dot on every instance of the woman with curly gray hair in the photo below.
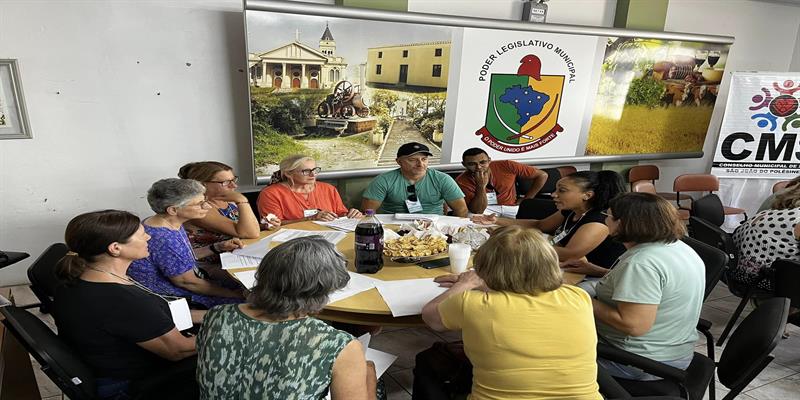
(272, 347)
(171, 269)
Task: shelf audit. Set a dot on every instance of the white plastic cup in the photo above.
(459, 257)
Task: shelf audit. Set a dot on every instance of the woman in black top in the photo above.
(578, 227)
(123, 332)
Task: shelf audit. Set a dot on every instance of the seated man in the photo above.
(413, 188)
(488, 183)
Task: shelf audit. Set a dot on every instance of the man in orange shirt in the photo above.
(487, 182)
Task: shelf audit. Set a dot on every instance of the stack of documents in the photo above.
(342, 224)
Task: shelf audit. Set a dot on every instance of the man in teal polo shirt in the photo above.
(413, 188)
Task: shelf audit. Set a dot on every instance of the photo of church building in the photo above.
(297, 65)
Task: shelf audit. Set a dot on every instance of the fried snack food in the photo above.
(412, 246)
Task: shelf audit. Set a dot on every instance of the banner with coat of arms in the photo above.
(522, 94)
(759, 133)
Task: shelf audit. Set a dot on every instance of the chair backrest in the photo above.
(553, 175)
(709, 208)
(787, 280)
(565, 170)
(643, 187)
(714, 236)
(748, 350)
(536, 208)
(57, 360)
(643, 173)
(696, 183)
(42, 273)
(779, 185)
(714, 259)
(252, 198)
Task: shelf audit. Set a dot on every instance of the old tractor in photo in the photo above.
(345, 102)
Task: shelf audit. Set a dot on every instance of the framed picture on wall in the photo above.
(13, 115)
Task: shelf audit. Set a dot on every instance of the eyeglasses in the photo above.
(412, 191)
(202, 204)
(228, 183)
(605, 214)
(310, 171)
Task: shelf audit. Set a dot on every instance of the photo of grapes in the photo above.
(655, 96)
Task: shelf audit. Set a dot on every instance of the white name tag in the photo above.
(413, 206)
(180, 314)
(557, 238)
(309, 213)
(491, 198)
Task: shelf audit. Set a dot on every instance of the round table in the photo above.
(368, 307)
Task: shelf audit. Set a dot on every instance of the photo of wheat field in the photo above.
(655, 96)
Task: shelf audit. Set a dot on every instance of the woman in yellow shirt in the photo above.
(526, 334)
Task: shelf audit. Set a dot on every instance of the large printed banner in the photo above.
(522, 94)
(759, 131)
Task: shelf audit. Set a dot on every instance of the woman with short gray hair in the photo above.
(286, 352)
(170, 268)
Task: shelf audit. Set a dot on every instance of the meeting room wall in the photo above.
(766, 40)
(119, 94)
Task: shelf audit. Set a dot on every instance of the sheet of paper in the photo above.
(407, 297)
(358, 283)
(381, 359)
(289, 234)
(232, 261)
(257, 250)
(248, 278)
(342, 224)
(503, 211)
(413, 216)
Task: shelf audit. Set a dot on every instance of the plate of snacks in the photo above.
(412, 248)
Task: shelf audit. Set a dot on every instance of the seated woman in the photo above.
(299, 197)
(650, 302)
(122, 331)
(766, 237)
(230, 220)
(171, 269)
(525, 333)
(278, 350)
(578, 228)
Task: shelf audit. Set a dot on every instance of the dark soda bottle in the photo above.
(369, 244)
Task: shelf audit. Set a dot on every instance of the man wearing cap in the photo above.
(413, 188)
(487, 183)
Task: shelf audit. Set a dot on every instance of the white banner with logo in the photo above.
(758, 137)
(521, 95)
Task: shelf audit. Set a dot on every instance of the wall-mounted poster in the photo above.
(758, 137)
(655, 96)
(521, 94)
(347, 92)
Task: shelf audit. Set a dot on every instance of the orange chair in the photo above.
(650, 173)
(701, 183)
(648, 187)
(778, 186)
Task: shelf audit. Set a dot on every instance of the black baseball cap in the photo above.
(413, 148)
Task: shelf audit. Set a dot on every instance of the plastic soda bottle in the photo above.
(369, 244)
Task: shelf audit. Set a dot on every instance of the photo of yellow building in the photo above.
(416, 64)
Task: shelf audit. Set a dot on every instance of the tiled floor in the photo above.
(779, 381)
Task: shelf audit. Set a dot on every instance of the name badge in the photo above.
(413, 206)
(309, 213)
(491, 198)
(180, 313)
(557, 238)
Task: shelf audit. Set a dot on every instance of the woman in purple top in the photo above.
(171, 268)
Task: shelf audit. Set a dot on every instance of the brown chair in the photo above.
(779, 185)
(701, 183)
(566, 170)
(645, 173)
(648, 187)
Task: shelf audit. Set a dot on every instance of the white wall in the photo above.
(92, 73)
(766, 36)
(795, 67)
